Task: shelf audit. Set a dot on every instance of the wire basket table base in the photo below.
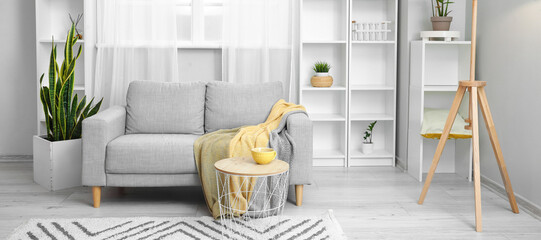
(251, 201)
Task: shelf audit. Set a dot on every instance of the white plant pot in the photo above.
(367, 148)
(322, 74)
(57, 165)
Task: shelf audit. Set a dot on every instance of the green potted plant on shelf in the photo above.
(368, 146)
(58, 154)
(441, 21)
(321, 77)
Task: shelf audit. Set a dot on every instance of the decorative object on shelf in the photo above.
(322, 77)
(370, 31)
(440, 15)
(75, 22)
(440, 35)
(434, 120)
(477, 97)
(263, 155)
(57, 156)
(368, 145)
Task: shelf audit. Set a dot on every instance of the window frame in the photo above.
(198, 24)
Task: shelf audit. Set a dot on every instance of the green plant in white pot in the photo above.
(322, 77)
(441, 21)
(58, 155)
(368, 145)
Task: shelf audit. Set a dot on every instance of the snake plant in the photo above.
(64, 114)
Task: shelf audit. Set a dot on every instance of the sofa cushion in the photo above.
(151, 154)
(158, 107)
(231, 105)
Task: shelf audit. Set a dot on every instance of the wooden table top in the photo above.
(246, 166)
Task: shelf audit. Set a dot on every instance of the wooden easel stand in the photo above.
(477, 97)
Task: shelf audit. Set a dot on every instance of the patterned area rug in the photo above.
(283, 227)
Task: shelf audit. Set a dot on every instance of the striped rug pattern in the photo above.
(143, 228)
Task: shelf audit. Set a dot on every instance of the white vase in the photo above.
(57, 165)
(367, 148)
(322, 74)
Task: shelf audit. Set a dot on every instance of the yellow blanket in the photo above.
(237, 142)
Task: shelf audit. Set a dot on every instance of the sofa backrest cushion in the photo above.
(159, 107)
(231, 105)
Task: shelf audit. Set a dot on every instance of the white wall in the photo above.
(414, 17)
(509, 58)
(200, 64)
(18, 77)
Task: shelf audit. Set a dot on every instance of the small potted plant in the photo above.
(58, 154)
(441, 21)
(322, 77)
(368, 145)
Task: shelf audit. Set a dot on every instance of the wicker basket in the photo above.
(321, 81)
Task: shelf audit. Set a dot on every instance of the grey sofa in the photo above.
(149, 142)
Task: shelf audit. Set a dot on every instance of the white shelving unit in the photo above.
(52, 20)
(435, 69)
(364, 74)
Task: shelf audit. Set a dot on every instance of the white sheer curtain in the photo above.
(260, 42)
(136, 40)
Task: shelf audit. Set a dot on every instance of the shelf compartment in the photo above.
(444, 100)
(321, 117)
(370, 87)
(371, 117)
(334, 54)
(446, 64)
(372, 42)
(325, 104)
(328, 153)
(330, 143)
(373, 64)
(383, 140)
(371, 162)
(53, 17)
(324, 20)
(372, 103)
(375, 10)
(440, 88)
(379, 153)
(332, 88)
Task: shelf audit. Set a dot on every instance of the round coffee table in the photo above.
(249, 192)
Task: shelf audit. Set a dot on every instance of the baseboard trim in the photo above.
(16, 158)
(529, 207)
(400, 164)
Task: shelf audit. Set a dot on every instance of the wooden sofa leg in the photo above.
(96, 196)
(298, 194)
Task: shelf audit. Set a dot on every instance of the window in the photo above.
(199, 21)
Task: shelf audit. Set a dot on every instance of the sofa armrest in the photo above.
(300, 128)
(97, 132)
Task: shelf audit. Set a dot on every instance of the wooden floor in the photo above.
(369, 203)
